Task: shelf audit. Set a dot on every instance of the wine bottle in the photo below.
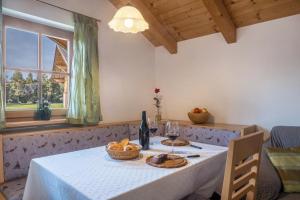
(144, 132)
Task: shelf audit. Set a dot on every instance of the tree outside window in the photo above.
(36, 69)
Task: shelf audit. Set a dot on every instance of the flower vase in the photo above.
(158, 117)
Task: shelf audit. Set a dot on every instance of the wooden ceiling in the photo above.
(172, 21)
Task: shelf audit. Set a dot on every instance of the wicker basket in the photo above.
(124, 155)
(198, 118)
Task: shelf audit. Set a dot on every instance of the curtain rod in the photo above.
(98, 20)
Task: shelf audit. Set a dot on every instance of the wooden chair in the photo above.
(242, 167)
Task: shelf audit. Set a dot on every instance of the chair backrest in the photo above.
(242, 167)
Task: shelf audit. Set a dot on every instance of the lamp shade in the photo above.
(128, 19)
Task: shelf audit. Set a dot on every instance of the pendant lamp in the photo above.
(128, 19)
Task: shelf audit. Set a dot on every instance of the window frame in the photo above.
(40, 30)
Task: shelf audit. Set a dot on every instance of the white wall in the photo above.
(126, 60)
(253, 81)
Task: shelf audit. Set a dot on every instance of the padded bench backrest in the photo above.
(195, 133)
(219, 137)
(134, 131)
(19, 149)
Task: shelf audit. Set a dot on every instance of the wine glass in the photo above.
(153, 126)
(172, 132)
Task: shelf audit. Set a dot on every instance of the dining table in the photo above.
(91, 174)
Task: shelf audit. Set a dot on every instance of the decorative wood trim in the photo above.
(28, 115)
(35, 123)
(159, 32)
(106, 124)
(222, 19)
(222, 126)
(228, 127)
(100, 125)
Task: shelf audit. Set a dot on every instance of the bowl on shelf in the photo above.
(198, 118)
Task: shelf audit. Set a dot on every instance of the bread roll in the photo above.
(112, 143)
(130, 147)
(124, 142)
(115, 147)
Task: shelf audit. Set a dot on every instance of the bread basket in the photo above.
(124, 155)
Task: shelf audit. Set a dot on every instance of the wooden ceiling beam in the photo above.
(222, 18)
(158, 31)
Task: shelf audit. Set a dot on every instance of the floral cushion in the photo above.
(218, 137)
(20, 149)
(13, 190)
(134, 131)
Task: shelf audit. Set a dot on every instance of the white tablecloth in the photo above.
(92, 174)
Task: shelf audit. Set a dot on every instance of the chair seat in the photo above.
(13, 190)
(289, 196)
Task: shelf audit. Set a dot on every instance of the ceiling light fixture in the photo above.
(128, 19)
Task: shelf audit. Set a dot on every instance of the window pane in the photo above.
(21, 90)
(55, 90)
(54, 54)
(21, 49)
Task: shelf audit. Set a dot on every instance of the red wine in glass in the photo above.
(173, 137)
(172, 132)
(153, 126)
(153, 130)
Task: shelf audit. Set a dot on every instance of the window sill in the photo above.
(27, 116)
(35, 123)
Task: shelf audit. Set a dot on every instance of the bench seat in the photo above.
(289, 196)
(13, 190)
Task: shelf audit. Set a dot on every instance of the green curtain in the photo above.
(84, 103)
(2, 112)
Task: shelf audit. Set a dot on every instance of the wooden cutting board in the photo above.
(173, 161)
(177, 142)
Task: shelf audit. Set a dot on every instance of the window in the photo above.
(36, 65)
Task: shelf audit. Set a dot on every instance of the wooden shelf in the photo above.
(35, 123)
